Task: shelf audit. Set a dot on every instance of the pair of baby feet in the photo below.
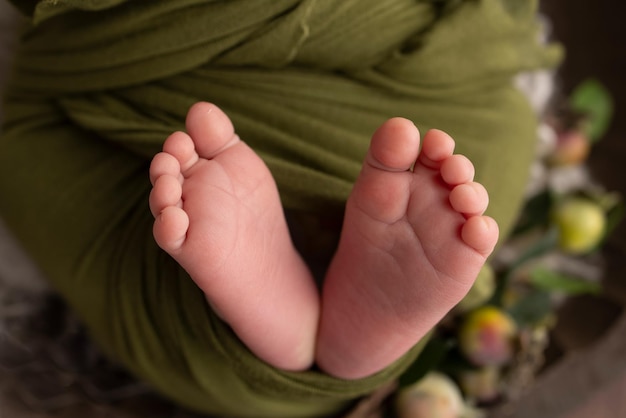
(413, 240)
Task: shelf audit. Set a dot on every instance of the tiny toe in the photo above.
(167, 191)
(394, 145)
(457, 169)
(182, 147)
(480, 233)
(469, 198)
(164, 164)
(170, 228)
(437, 146)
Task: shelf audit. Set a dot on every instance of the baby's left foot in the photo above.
(413, 241)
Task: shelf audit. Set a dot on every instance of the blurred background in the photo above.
(586, 360)
(590, 379)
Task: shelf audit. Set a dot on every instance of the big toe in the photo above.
(211, 130)
(394, 146)
(382, 189)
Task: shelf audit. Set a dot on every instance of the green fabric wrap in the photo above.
(99, 84)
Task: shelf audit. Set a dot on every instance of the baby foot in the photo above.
(218, 214)
(413, 242)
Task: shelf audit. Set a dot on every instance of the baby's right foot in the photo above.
(413, 241)
(218, 214)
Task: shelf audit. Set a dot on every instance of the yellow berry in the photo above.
(581, 223)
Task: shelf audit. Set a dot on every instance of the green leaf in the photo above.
(430, 357)
(533, 308)
(552, 281)
(544, 245)
(615, 215)
(594, 100)
(536, 212)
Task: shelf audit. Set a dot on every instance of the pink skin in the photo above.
(218, 214)
(412, 244)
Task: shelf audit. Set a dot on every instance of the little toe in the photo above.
(437, 146)
(457, 169)
(211, 130)
(394, 145)
(469, 198)
(170, 228)
(480, 233)
(167, 191)
(182, 147)
(164, 164)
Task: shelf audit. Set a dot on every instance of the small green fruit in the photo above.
(581, 224)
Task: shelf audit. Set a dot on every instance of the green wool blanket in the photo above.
(99, 84)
